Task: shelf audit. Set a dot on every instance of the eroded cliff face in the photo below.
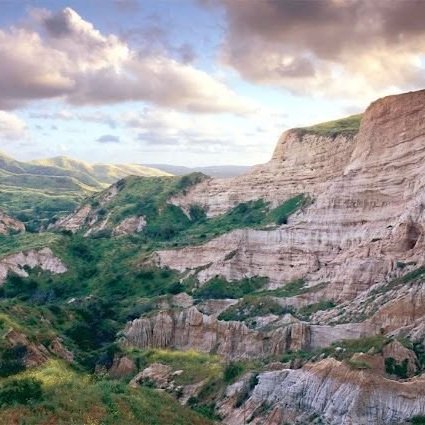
(360, 243)
(329, 390)
(190, 329)
(367, 213)
(43, 258)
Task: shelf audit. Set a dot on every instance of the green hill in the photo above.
(36, 191)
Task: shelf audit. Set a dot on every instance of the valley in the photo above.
(292, 294)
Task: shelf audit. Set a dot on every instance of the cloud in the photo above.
(65, 56)
(334, 48)
(108, 138)
(161, 130)
(11, 127)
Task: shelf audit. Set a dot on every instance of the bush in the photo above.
(219, 288)
(232, 371)
(12, 360)
(397, 369)
(197, 213)
(22, 391)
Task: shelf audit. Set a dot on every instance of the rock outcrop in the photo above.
(329, 390)
(9, 225)
(129, 226)
(42, 258)
(190, 329)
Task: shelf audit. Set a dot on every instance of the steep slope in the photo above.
(366, 215)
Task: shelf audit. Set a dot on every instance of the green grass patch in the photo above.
(73, 398)
(196, 366)
(345, 126)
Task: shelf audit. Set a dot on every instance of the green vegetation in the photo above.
(291, 289)
(418, 420)
(392, 367)
(345, 126)
(361, 345)
(399, 281)
(219, 288)
(232, 371)
(38, 192)
(23, 391)
(358, 364)
(342, 350)
(306, 312)
(54, 393)
(252, 306)
(196, 366)
(169, 226)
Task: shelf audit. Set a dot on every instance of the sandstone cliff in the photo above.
(329, 390)
(367, 213)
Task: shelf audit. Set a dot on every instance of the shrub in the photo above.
(246, 391)
(22, 391)
(197, 213)
(232, 371)
(397, 369)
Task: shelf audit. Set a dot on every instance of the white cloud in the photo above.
(64, 55)
(11, 127)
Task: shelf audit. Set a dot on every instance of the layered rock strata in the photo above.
(367, 214)
(329, 390)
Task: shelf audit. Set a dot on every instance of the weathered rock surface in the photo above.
(10, 225)
(190, 329)
(35, 355)
(330, 390)
(367, 214)
(130, 226)
(122, 367)
(157, 373)
(43, 258)
(88, 215)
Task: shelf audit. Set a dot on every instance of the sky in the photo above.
(194, 82)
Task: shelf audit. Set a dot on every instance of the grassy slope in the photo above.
(345, 126)
(72, 397)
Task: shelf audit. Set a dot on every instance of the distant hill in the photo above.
(218, 171)
(54, 186)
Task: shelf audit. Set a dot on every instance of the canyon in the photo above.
(294, 293)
